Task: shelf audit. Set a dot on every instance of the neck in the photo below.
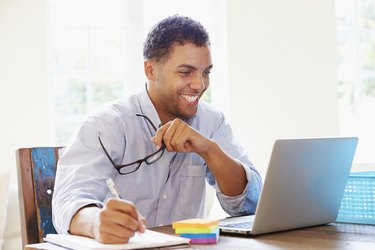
(163, 116)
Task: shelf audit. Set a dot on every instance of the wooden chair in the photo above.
(36, 170)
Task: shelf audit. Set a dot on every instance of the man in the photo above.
(158, 146)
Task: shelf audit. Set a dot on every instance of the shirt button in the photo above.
(165, 196)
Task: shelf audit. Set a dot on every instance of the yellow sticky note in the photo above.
(181, 230)
(195, 223)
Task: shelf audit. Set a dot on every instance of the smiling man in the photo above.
(159, 146)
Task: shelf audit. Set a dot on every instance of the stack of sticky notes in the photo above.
(199, 231)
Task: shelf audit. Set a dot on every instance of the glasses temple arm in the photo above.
(105, 151)
(148, 119)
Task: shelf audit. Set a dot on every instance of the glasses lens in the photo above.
(129, 169)
(154, 157)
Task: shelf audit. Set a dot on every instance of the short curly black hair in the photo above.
(173, 29)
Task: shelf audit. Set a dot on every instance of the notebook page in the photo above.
(147, 240)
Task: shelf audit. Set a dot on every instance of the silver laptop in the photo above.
(304, 185)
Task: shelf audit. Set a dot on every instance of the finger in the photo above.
(159, 135)
(118, 221)
(169, 134)
(114, 233)
(181, 139)
(142, 223)
(124, 213)
(123, 206)
(119, 218)
(107, 238)
(178, 136)
(117, 226)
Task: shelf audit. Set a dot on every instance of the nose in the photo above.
(198, 82)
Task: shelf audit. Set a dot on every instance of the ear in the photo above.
(149, 67)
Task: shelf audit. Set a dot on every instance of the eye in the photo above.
(185, 73)
(206, 73)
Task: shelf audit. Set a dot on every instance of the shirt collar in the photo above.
(147, 107)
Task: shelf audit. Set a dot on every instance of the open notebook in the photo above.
(149, 239)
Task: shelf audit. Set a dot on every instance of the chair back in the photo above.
(36, 170)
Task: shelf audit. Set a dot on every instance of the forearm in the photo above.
(229, 174)
(83, 221)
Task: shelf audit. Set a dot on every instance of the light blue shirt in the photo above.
(173, 188)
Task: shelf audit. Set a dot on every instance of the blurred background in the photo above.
(291, 68)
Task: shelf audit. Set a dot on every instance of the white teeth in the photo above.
(190, 98)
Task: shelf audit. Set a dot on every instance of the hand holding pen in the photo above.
(119, 220)
(112, 188)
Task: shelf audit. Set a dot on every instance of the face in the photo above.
(177, 83)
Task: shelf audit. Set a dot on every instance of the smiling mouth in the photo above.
(190, 98)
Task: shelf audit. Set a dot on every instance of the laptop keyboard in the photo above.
(245, 224)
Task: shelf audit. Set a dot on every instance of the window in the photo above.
(356, 73)
(95, 52)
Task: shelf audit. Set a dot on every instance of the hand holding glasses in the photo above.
(134, 166)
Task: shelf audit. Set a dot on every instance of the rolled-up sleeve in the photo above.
(246, 202)
(81, 174)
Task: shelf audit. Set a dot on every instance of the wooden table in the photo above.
(332, 236)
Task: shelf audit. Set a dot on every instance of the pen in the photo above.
(112, 188)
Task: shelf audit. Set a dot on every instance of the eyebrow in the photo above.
(193, 68)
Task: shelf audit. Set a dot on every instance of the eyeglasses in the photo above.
(134, 166)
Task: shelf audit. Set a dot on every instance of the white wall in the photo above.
(23, 78)
(282, 72)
